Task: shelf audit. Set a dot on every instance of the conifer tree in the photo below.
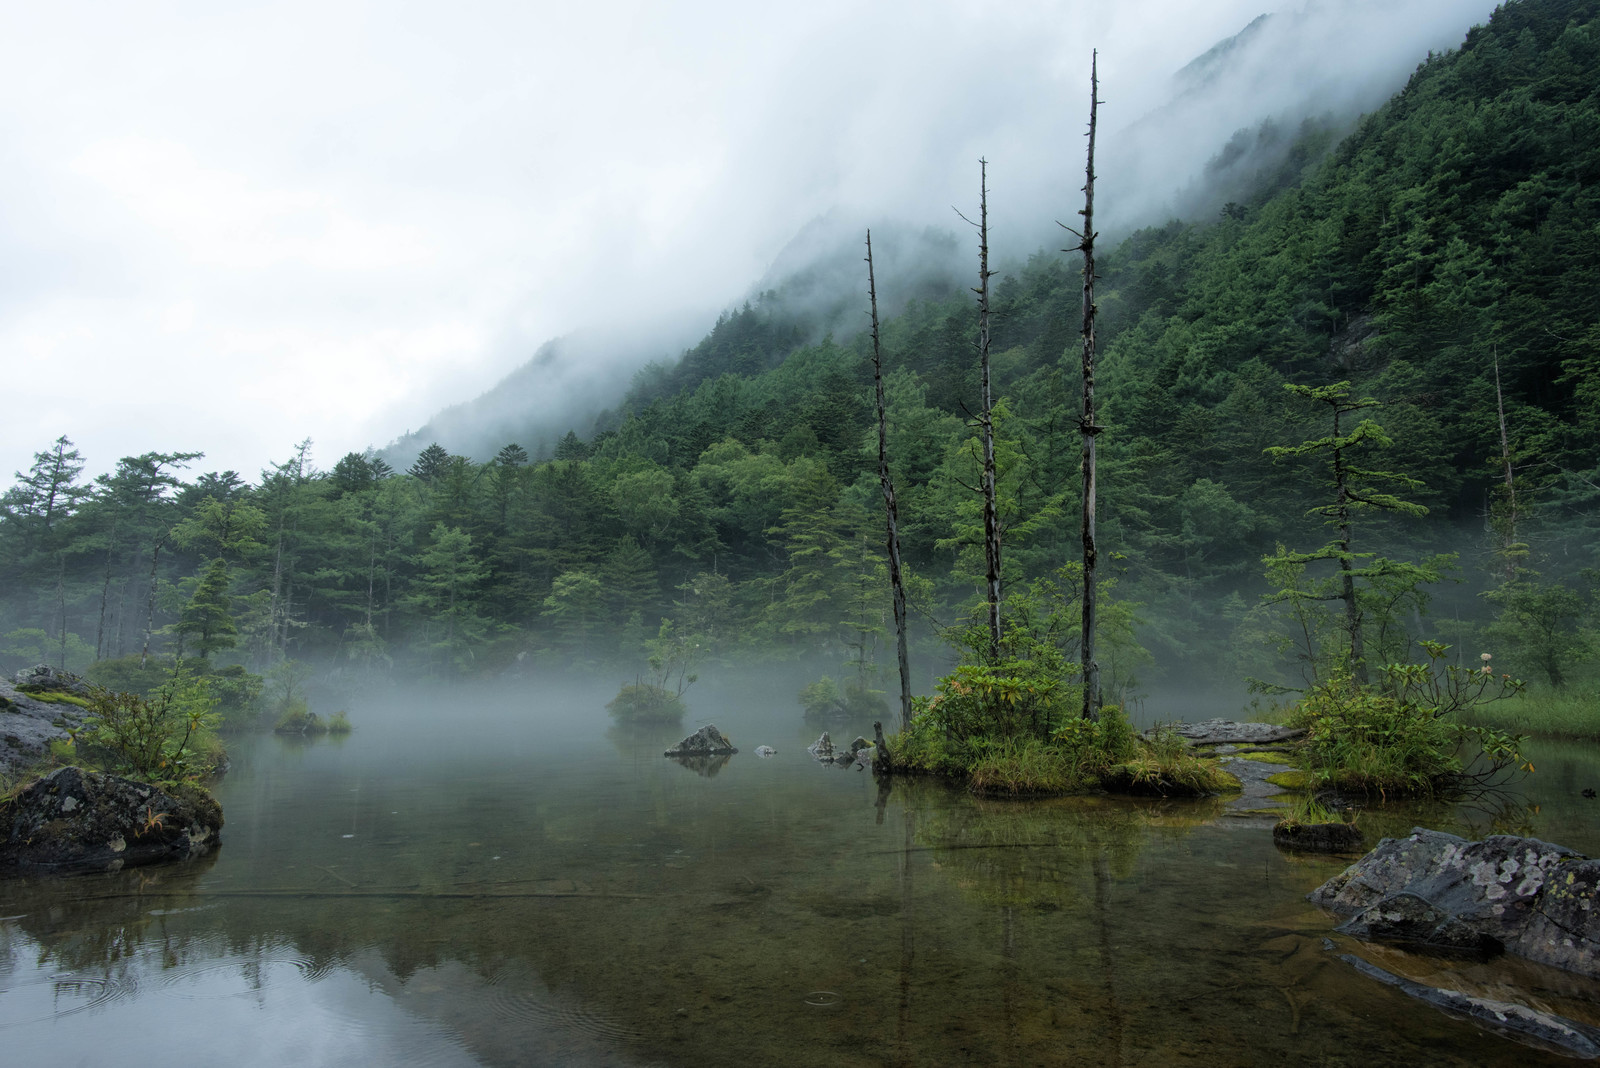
(1355, 489)
(208, 617)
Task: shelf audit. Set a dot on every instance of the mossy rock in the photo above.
(1262, 756)
(1293, 779)
(1230, 782)
(58, 697)
(75, 820)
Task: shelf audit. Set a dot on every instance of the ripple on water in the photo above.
(62, 994)
(523, 1006)
(239, 978)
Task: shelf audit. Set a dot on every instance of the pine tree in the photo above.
(208, 617)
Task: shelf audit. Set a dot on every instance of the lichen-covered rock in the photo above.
(28, 726)
(707, 741)
(78, 820)
(1531, 898)
(822, 748)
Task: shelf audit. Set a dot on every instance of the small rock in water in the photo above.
(707, 741)
(765, 751)
(822, 748)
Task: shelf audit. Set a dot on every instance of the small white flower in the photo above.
(1483, 656)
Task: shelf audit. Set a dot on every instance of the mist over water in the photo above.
(496, 875)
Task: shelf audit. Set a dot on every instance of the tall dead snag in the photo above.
(1506, 517)
(890, 511)
(991, 510)
(1090, 430)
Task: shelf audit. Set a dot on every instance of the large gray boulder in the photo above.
(707, 741)
(28, 726)
(76, 820)
(1527, 897)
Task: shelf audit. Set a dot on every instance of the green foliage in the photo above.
(1165, 766)
(1448, 236)
(164, 738)
(125, 674)
(645, 702)
(1399, 743)
(339, 723)
(825, 701)
(1544, 713)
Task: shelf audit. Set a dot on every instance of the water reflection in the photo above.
(529, 890)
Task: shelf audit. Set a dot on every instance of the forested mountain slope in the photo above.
(1454, 232)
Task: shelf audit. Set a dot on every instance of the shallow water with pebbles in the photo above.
(491, 881)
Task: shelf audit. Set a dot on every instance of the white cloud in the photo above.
(231, 226)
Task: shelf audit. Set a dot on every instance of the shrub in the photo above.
(1361, 740)
(645, 702)
(339, 723)
(823, 700)
(165, 738)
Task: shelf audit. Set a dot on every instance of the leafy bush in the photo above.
(1362, 740)
(645, 702)
(339, 723)
(825, 700)
(166, 738)
(296, 717)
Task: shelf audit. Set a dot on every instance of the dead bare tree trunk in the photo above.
(991, 510)
(1090, 430)
(896, 582)
(150, 608)
(1511, 550)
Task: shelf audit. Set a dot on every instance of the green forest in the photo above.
(1441, 259)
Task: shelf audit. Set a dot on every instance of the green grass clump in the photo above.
(1023, 767)
(645, 702)
(339, 723)
(58, 697)
(1564, 714)
(1165, 766)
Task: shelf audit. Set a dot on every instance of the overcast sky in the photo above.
(229, 226)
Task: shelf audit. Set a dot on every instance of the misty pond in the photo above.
(481, 879)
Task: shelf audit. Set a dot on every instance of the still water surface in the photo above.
(494, 881)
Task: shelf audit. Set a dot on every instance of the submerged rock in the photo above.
(707, 741)
(78, 820)
(765, 751)
(1317, 837)
(1527, 897)
(1520, 1023)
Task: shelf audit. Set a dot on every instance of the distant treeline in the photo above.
(1444, 259)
